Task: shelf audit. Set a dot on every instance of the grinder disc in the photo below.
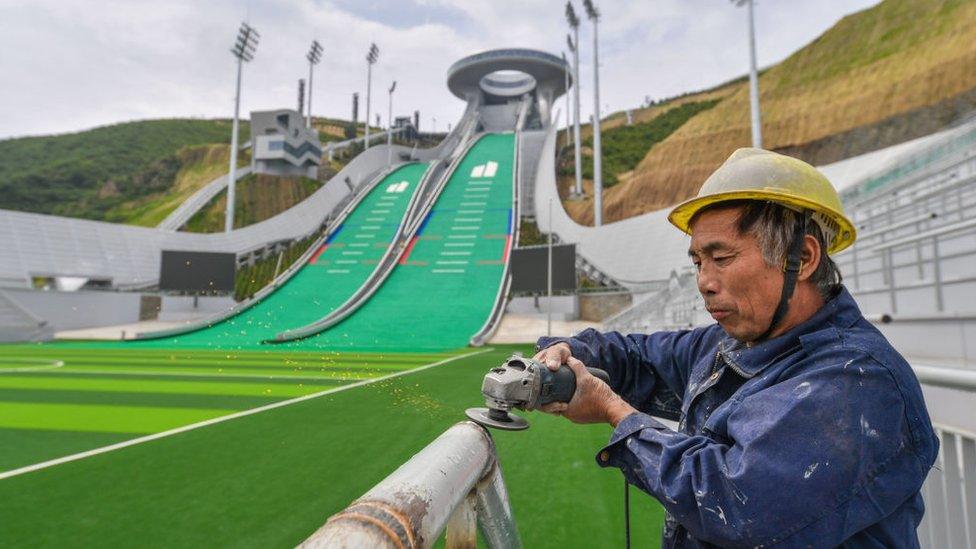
(498, 419)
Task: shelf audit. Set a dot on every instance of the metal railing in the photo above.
(950, 492)
(453, 483)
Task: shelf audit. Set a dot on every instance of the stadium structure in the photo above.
(439, 225)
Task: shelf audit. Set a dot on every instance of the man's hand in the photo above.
(555, 355)
(593, 401)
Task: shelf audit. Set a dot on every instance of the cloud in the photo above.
(78, 64)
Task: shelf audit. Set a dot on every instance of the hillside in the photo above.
(190, 169)
(91, 173)
(894, 72)
(257, 197)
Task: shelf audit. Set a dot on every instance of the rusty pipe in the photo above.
(411, 507)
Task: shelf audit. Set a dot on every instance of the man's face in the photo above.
(740, 290)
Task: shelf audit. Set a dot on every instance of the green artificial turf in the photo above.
(272, 478)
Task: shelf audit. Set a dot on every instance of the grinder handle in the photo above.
(559, 386)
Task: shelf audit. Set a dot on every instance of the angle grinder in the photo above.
(525, 384)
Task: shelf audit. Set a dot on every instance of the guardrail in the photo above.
(454, 483)
(950, 492)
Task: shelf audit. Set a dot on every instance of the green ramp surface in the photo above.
(444, 288)
(332, 274)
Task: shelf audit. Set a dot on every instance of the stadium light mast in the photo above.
(566, 93)
(757, 140)
(594, 16)
(313, 56)
(371, 57)
(573, 43)
(243, 50)
(389, 129)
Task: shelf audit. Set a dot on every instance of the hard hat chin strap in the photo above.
(791, 271)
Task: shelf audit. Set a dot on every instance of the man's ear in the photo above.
(809, 257)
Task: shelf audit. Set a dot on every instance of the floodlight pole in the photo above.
(389, 128)
(566, 70)
(549, 277)
(313, 59)
(232, 175)
(594, 15)
(243, 50)
(757, 140)
(370, 60)
(573, 43)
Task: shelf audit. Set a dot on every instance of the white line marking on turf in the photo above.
(465, 228)
(374, 219)
(460, 236)
(358, 244)
(221, 419)
(221, 375)
(364, 236)
(473, 203)
(456, 244)
(467, 219)
(455, 253)
(338, 271)
(464, 262)
(470, 211)
(346, 261)
(352, 252)
(46, 365)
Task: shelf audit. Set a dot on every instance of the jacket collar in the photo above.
(840, 311)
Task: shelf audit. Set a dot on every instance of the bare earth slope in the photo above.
(899, 70)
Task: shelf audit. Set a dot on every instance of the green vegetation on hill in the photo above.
(87, 174)
(250, 279)
(256, 197)
(625, 146)
(190, 169)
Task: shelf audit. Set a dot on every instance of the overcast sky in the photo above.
(68, 65)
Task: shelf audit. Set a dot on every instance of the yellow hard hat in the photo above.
(757, 174)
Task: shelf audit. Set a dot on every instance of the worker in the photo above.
(798, 423)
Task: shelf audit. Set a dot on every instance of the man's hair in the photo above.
(774, 225)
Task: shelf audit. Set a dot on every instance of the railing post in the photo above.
(937, 273)
(462, 531)
(495, 512)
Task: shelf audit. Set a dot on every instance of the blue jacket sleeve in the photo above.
(829, 450)
(649, 371)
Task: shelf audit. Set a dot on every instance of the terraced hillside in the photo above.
(257, 197)
(894, 72)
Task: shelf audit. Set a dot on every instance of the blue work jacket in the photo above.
(816, 438)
